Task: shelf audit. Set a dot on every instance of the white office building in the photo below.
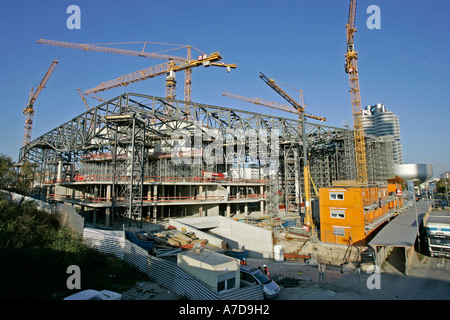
(379, 121)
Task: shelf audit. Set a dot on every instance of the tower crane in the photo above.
(101, 99)
(169, 68)
(271, 104)
(28, 111)
(83, 98)
(351, 68)
(170, 77)
(306, 175)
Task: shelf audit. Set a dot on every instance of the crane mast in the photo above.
(28, 111)
(306, 175)
(83, 99)
(351, 68)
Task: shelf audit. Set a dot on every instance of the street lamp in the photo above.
(417, 218)
(445, 181)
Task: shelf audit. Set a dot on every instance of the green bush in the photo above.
(35, 252)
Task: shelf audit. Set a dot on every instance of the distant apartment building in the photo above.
(379, 121)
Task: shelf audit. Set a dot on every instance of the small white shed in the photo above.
(217, 271)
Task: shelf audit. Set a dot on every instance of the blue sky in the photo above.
(404, 65)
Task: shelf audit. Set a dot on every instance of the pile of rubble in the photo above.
(175, 238)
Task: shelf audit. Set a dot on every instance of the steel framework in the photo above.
(134, 138)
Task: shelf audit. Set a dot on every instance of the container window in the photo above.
(339, 232)
(226, 284)
(226, 281)
(221, 286)
(336, 196)
(339, 214)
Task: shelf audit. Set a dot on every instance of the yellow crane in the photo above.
(271, 104)
(28, 111)
(351, 68)
(168, 68)
(170, 76)
(306, 174)
(83, 99)
(101, 99)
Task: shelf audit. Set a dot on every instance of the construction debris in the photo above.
(178, 239)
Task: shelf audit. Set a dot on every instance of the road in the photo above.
(428, 279)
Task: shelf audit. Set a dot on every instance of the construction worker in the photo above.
(266, 270)
(243, 262)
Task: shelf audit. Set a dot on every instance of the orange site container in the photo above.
(345, 211)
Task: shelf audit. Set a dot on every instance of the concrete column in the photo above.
(96, 194)
(149, 194)
(246, 209)
(60, 171)
(155, 193)
(107, 216)
(108, 194)
(155, 197)
(162, 209)
(261, 191)
(228, 211)
(200, 194)
(155, 214)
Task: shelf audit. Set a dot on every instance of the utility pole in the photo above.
(445, 181)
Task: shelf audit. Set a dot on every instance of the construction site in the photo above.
(137, 161)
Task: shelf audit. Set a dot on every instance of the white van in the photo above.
(254, 275)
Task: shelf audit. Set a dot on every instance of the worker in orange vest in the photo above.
(266, 270)
(243, 262)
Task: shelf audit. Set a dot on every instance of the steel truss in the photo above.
(128, 134)
(97, 143)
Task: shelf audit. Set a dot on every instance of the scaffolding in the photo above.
(138, 151)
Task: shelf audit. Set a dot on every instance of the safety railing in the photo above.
(213, 198)
(119, 179)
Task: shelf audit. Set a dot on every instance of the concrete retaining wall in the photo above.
(258, 241)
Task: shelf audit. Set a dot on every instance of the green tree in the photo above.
(24, 183)
(16, 179)
(35, 251)
(440, 186)
(8, 174)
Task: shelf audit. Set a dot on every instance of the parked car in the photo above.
(90, 294)
(254, 275)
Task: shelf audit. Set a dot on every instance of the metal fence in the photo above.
(161, 271)
(70, 218)
(106, 241)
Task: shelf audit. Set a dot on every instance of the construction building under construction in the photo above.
(139, 157)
